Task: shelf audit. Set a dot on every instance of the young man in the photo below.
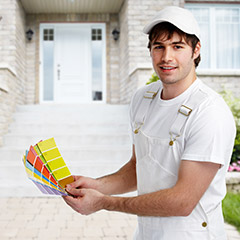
(183, 135)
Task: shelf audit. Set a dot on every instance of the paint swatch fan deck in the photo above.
(46, 168)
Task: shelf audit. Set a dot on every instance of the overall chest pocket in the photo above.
(165, 155)
(157, 163)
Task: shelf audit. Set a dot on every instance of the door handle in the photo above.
(58, 74)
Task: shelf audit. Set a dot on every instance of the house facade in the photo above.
(92, 51)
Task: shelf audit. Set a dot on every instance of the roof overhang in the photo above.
(71, 6)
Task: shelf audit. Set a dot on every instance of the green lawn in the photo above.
(231, 209)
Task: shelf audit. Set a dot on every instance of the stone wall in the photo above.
(220, 81)
(8, 98)
(12, 61)
(112, 51)
(233, 182)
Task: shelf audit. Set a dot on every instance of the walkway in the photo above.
(51, 219)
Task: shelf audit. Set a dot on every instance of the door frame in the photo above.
(53, 26)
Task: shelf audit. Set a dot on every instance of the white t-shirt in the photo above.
(207, 136)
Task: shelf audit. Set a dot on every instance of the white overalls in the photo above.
(155, 173)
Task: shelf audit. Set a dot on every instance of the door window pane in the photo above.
(48, 61)
(97, 64)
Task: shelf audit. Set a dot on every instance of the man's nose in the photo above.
(167, 55)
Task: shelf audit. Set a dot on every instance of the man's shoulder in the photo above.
(143, 89)
(211, 96)
(213, 107)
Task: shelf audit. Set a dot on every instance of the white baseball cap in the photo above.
(179, 17)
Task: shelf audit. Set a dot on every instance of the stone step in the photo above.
(91, 153)
(51, 119)
(93, 139)
(67, 140)
(84, 108)
(15, 182)
(69, 128)
(72, 114)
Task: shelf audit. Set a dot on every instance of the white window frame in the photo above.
(213, 70)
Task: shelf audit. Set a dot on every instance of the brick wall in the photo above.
(219, 81)
(12, 61)
(113, 52)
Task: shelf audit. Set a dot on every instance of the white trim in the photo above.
(91, 25)
(141, 66)
(220, 72)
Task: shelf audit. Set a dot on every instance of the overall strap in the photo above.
(147, 99)
(184, 111)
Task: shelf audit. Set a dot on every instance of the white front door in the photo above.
(72, 64)
(72, 60)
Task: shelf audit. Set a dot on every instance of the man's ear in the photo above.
(197, 50)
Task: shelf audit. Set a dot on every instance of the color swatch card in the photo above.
(46, 168)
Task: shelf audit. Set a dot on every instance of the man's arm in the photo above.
(122, 181)
(193, 180)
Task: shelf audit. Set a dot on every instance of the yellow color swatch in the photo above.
(61, 173)
(56, 163)
(47, 144)
(51, 154)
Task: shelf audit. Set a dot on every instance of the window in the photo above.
(48, 62)
(48, 35)
(97, 62)
(220, 35)
(96, 34)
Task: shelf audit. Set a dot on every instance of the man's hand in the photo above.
(86, 201)
(84, 182)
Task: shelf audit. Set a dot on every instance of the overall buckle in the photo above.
(185, 110)
(150, 95)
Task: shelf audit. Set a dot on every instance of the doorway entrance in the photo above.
(72, 63)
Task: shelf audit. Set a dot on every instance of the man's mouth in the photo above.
(167, 67)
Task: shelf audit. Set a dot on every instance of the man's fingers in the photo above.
(76, 183)
(75, 191)
(72, 202)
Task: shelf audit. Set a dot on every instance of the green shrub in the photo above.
(231, 209)
(153, 78)
(234, 105)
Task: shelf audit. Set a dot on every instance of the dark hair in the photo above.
(166, 30)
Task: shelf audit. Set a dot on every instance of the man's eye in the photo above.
(158, 47)
(178, 47)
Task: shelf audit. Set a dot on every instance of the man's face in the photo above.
(173, 59)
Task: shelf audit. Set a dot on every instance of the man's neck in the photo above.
(171, 91)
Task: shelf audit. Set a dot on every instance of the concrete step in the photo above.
(69, 128)
(94, 140)
(82, 108)
(91, 153)
(14, 180)
(69, 119)
(67, 140)
(72, 114)
(17, 184)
